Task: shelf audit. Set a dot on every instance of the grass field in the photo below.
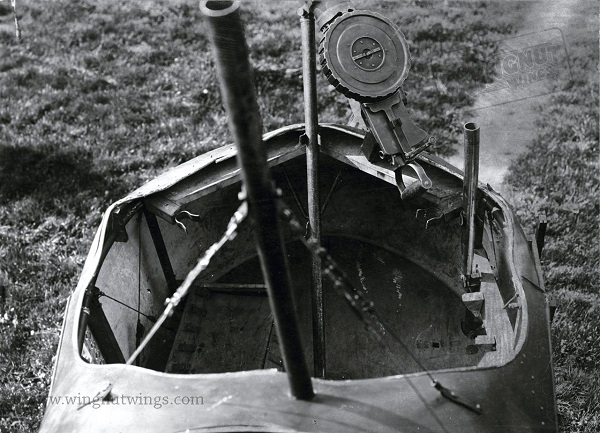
(99, 97)
(558, 176)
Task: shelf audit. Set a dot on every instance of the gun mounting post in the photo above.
(471, 277)
(228, 41)
(311, 138)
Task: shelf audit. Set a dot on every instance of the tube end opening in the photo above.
(471, 126)
(218, 8)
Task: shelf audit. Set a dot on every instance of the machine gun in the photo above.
(366, 58)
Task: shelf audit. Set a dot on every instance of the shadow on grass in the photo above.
(51, 176)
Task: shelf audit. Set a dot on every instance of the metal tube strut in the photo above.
(470, 182)
(309, 76)
(237, 90)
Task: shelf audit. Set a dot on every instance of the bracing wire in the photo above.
(358, 300)
(102, 294)
(139, 328)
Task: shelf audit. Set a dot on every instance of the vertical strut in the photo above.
(309, 75)
(161, 251)
(470, 181)
(93, 317)
(231, 57)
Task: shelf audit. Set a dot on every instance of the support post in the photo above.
(93, 317)
(83, 320)
(470, 182)
(102, 331)
(309, 76)
(161, 251)
(237, 89)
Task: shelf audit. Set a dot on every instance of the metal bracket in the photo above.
(422, 184)
(447, 209)
(453, 397)
(474, 302)
(118, 226)
(472, 281)
(370, 148)
(327, 11)
(394, 130)
(305, 141)
(119, 218)
(184, 214)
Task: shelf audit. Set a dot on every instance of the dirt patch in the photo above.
(508, 129)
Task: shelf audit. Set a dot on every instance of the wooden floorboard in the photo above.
(496, 323)
(228, 332)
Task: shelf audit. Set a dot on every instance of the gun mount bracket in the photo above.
(394, 130)
(422, 184)
(472, 281)
(447, 209)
